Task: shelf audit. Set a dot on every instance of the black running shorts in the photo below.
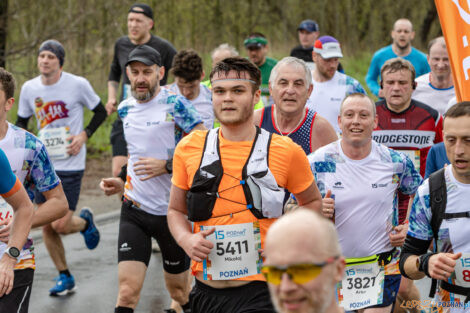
(136, 230)
(249, 298)
(18, 299)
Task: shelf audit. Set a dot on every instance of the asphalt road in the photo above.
(95, 274)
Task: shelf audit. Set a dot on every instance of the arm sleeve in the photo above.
(98, 118)
(115, 71)
(299, 175)
(372, 75)
(22, 122)
(410, 179)
(186, 116)
(9, 181)
(411, 247)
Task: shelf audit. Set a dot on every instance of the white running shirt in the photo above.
(59, 105)
(365, 193)
(152, 129)
(202, 103)
(436, 98)
(327, 96)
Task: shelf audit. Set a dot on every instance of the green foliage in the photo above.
(89, 28)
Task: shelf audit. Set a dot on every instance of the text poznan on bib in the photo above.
(235, 253)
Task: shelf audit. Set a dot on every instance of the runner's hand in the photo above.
(398, 235)
(441, 265)
(7, 264)
(5, 230)
(76, 143)
(112, 185)
(111, 106)
(197, 247)
(150, 167)
(328, 205)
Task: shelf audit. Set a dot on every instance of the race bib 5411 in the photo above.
(235, 253)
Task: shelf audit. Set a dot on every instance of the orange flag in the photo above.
(454, 16)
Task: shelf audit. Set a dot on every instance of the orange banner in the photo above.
(454, 16)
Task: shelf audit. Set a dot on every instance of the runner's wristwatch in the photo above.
(13, 252)
(169, 166)
(420, 262)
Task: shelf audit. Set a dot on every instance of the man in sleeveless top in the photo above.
(290, 84)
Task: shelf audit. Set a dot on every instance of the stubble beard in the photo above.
(144, 96)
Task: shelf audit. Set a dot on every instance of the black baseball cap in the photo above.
(145, 54)
(145, 10)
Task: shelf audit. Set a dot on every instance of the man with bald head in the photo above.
(221, 52)
(360, 179)
(436, 88)
(312, 267)
(402, 34)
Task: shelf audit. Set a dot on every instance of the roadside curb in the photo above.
(100, 219)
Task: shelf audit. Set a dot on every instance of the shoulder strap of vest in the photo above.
(245, 167)
(211, 146)
(438, 201)
(264, 132)
(265, 137)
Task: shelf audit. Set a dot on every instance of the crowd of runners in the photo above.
(269, 186)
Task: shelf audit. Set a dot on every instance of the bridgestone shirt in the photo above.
(417, 128)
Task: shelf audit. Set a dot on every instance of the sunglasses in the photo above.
(298, 273)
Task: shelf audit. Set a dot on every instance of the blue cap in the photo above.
(309, 25)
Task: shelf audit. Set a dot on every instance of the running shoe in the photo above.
(91, 233)
(63, 286)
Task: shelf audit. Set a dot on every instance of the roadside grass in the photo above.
(99, 146)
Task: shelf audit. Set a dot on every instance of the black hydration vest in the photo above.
(264, 198)
(438, 201)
